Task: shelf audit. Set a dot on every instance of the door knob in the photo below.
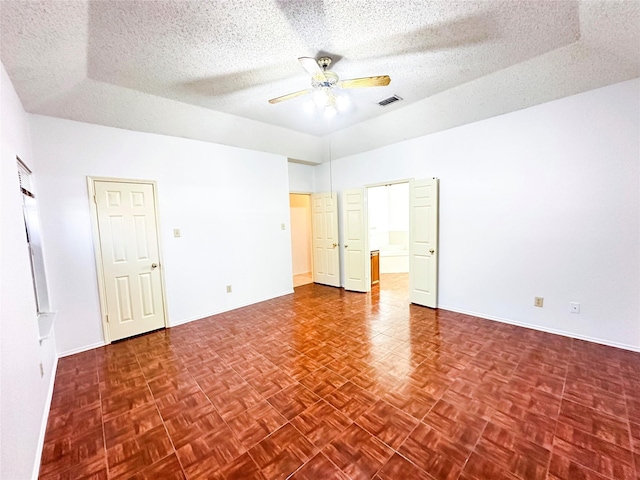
(431, 251)
(154, 265)
(346, 246)
(335, 245)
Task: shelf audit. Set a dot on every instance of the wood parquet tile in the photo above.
(387, 423)
(321, 423)
(358, 453)
(328, 384)
(282, 453)
(319, 467)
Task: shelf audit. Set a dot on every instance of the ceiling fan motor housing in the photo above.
(329, 80)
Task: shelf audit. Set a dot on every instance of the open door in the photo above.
(326, 254)
(423, 242)
(356, 250)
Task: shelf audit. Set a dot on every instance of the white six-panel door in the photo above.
(423, 242)
(129, 258)
(326, 254)
(356, 248)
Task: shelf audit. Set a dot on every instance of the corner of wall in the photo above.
(28, 366)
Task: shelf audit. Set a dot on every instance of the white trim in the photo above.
(45, 324)
(73, 351)
(308, 194)
(95, 230)
(303, 162)
(45, 420)
(391, 182)
(179, 322)
(624, 346)
(235, 307)
(98, 250)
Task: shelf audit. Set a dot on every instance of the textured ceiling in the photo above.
(232, 56)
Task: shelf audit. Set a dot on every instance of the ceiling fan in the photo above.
(323, 81)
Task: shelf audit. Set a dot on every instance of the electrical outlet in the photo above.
(282, 226)
(538, 301)
(228, 288)
(574, 307)
(176, 232)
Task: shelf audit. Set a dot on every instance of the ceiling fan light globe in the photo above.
(321, 97)
(310, 107)
(330, 111)
(343, 102)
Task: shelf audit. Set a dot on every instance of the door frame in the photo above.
(95, 230)
(366, 190)
(310, 224)
(410, 182)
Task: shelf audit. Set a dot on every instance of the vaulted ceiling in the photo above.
(91, 60)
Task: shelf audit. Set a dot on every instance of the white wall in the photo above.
(388, 208)
(24, 394)
(228, 202)
(378, 206)
(398, 211)
(301, 178)
(540, 202)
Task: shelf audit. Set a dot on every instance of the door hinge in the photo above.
(107, 317)
(95, 199)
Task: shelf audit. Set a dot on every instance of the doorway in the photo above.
(301, 238)
(127, 246)
(412, 206)
(388, 213)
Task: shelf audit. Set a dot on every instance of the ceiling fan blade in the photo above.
(312, 68)
(379, 81)
(289, 96)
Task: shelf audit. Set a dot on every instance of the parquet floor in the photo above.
(327, 384)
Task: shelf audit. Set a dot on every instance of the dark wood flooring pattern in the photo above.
(327, 384)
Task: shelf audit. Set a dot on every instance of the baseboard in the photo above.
(81, 349)
(45, 420)
(586, 338)
(600, 341)
(179, 322)
(218, 312)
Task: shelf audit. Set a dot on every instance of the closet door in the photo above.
(128, 258)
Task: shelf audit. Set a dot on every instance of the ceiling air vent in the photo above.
(387, 101)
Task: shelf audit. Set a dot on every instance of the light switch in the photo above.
(176, 232)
